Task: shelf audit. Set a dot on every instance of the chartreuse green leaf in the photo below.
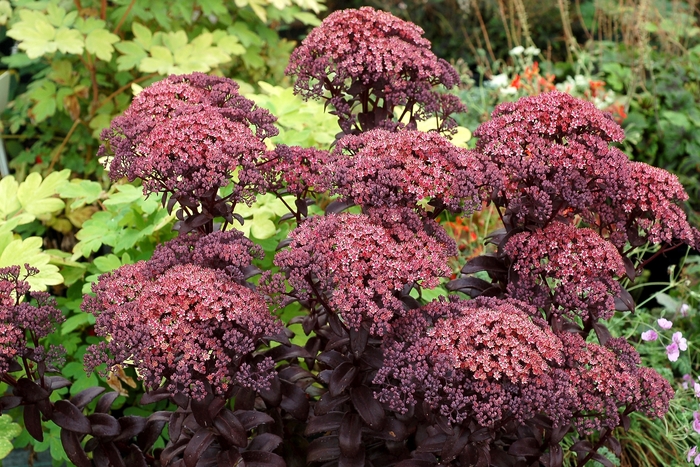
(99, 42)
(81, 191)
(9, 204)
(38, 197)
(35, 34)
(8, 431)
(258, 217)
(17, 251)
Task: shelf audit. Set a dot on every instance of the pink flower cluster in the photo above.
(299, 170)
(565, 270)
(361, 261)
(374, 59)
(186, 135)
(555, 160)
(488, 358)
(189, 324)
(19, 318)
(381, 168)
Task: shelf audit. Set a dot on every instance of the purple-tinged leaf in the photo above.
(358, 340)
(335, 207)
(394, 430)
(433, 443)
(197, 445)
(244, 398)
(104, 425)
(614, 445)
(525, 447)
(250, 271)
(624, 301)
(68, 416)
(601, 330)
(558, 433)
(471, 286)
(286, 352)
(9, 402)
(324, 423)
(328, 403)
(554, 457)
(331, 358)
(265, 442)
(454, 445)
(630, 270)
(230, 458)
(46, 408)
(147, 438)
(368, 407)
(84, 397)
(231, 429)
(602, 459)
(373, 357)
(30, 391)
(175, 425)
(582, 446)
(75, 453)
(273, 394)
(252, 419)
(154, 396)
(130, 426)
(106, 401)
(262, 459)
(173, 450)
(625, 421)
(341, 378)
(323, 449)
(350, 436)
(293, 374)
(487, 263)
(57, 382)
(112, 455)
(135, 458)
(480, 435)
(200, 410)
(295, 401)
(32, 421)
(302, 207)
(180, 400)
(283, 244)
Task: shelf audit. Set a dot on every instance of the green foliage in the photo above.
(8, 431)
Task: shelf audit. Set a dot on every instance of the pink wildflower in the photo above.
(649, 335)
(664, 323)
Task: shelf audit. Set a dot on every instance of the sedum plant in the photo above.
(513, 368)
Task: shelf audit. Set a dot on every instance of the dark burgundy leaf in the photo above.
(135, 458)
(480, 435)
(624, 301)
(394, 430)
(292, 374)
(454, 445)
(154, 396)
(324, 423)
(469, 285)
(614, 445)
(602, 459)
(68, 416)
(525, 447)
(200, 410)
(486, 263)
(244, 399)
(104, 425)
(230, 458)
(265, 442)
(171, 451)
(30, 391)
(130, 426)
(433, 443)
(262, 459)
(415, 463)
(32, 421)
(323, 449)
(106, 401)
(327, 403)
(335, 207)
(112, 454)
(14, 366)
(350, 435)
(358, 340)
(9, 402)
(625, 422)
(357, 461)
(302, 207)
(602, 332)
(84, 397)
(373, 357)
(286, 352)
(197, 445)
(582, 446)
(332, 358)
(558, 434)
(325, 376)
(180, 400)
(630, 270)
(251, 419)
(190, 424)
(554, 457)
(368, 407)
(283, 244)
(273, 394)
(496, 236)
(231, 428)
(195, 222)
(294, 401)
(57, 382)
(71, 444)
(147, 438)
(175, 425)
(338, 328)
(46, 408)
(341, 378)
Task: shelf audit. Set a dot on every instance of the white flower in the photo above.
(509, 91)
(532, 51)
(517, 50)
(498, 81)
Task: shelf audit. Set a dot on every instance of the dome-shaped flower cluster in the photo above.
(185, 135)
(565, 270)
(366, 56)
(382, 168)
(299, 170)
(188, 323)
(487, 359)
(20, 318)
(362, 261)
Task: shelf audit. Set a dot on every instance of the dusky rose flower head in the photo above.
(229, 252)
(190, 325)
(555, 158)
(20, 319)
(651, 210)
(186, 135)
(361, 261)
(382, 168)
(298, 170)
(485, 358)
(374, 59)
(565, 270)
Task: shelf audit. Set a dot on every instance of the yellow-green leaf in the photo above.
(142, 35)
(133, 54)
(160, 61)
(37, 196)
(9, 203)
(19, 252)
(69, 41)
(99, 42)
